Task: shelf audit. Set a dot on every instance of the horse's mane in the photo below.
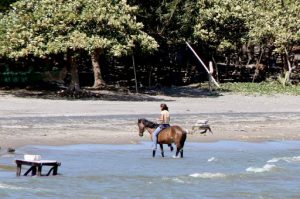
(148, 123)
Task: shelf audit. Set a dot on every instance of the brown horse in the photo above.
(173, 134)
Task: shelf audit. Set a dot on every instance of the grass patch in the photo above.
(263, 88)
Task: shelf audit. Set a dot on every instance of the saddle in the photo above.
(163, 127)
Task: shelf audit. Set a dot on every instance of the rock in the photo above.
(11, 150)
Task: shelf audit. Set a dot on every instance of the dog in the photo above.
(201, 125)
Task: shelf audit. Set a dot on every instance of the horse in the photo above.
(173, 134)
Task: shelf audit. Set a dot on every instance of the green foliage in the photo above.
(264, 88)
(275, 23)
(222, 23)
(169, 21)
(227, 24)
(43, 27)
(4, 4)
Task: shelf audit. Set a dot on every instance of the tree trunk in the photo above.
(98, 80)
(74, 85)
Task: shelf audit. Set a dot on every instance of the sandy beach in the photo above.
(35, 121)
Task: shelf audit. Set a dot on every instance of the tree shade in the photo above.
(44, 27)
(220, 27)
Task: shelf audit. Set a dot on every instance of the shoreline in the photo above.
(34, 121)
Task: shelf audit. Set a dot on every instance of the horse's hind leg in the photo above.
(177, 152)
(162, 150)
(171, 147)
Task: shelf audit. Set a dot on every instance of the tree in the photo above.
(169, 21)
(44, 27)
(277, 24)
(221, 24)
(228, 25)
(4, 4)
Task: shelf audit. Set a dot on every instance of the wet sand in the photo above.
(34, 121)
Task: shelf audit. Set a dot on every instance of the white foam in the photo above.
(11, 187)
(265, 168)
(178, 180)
(211, 159)
(174, 179)
(6, 186)
(274, 160)
(286, 159)
(208, 175)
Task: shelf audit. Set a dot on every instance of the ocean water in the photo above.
(225, 169)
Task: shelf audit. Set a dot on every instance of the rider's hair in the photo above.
(164, 107)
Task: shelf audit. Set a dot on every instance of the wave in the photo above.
(207, 175)
(265, 168)
(178, 180)
(6, 186)
(211, 159)
(286, 159)
(12, 187)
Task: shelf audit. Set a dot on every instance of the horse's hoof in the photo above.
(176, 157)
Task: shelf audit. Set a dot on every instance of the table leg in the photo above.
(39, 171)
(19, 168)
(55, 170)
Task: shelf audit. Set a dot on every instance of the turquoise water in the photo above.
(225, 169)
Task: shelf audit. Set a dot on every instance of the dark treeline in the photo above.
(99, 43)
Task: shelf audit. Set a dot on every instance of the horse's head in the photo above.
(141, 127)
(144, 124)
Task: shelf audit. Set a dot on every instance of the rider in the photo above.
(164, 122)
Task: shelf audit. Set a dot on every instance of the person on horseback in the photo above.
(164, 122)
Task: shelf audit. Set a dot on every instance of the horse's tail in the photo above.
(183, 132)
(186, 131)
(184, 135)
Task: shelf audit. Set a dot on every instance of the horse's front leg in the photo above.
(177, 151)
(153, 153)
(162, 150)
